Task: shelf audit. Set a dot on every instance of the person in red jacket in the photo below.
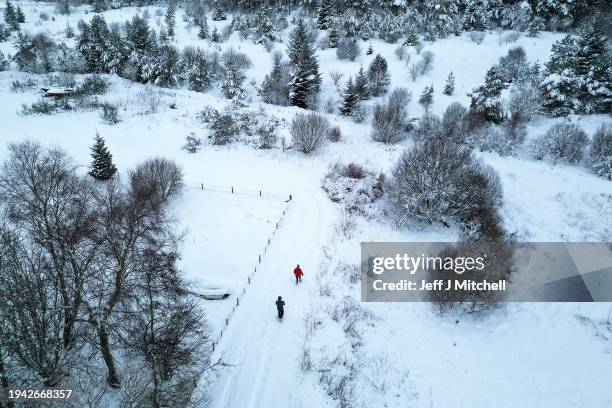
(298, 274)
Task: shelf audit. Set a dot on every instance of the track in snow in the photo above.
(263, 349)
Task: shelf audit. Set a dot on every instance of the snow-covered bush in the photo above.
(266, 133)
(524, 102)
(192, 143)
(308, 131)
(437, 181)
(562, 141)
(390, 120)
(275, 86)
(428, 127)
(477, 36)
(157, 178)
(334, 134)
(426, 63)
(513, 67)
(223, 128)
(110, 113)
(499, 265)
(353, 186)
(601, 152)
(455, 122)
(348, 49)
(93, 85)
(499, 139)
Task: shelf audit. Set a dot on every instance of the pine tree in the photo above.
(350, 99)
(370, 50)
(275, 87)
(412, 38)
(306, 80)
(378, 76)
(4, 63)
(19, 16)
(361, 84)
(325, 14)
(167, 67)
(163, 36)
(334, 36)
(264, 29)
(171, 19)
(449, 87)
(592, 65)
(215, 37)
(203, 32)
(102, 167)
(486, 98)
(69, 31)
(218, 14)
(10, 16)
(426, 98)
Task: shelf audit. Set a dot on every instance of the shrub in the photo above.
(308, 131)
(157, 178)
(426, 63)
(437, 181)
(109, 113)
(334, 134)
(455, 122)
(192, 143)
(601, 152)
(477, 36)
(348, 49)
(93, 85)
(354, 186)
(498, 265)
(562, 141)
(266, 133)
(524, 102)
(428, 127)
(390, 120)
(223, 128)
(499, 139)
(41, 107)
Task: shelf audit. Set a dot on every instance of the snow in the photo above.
(527, 355)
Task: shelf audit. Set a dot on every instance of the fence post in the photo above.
(226, 321)
(290, 198)
(203, 189)
(232, 189)
(259, 258)
(249, 280)
(237, 301)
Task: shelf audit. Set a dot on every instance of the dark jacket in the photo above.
(279, 304)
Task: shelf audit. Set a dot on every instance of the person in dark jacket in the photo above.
(280, 307)
(298, 274)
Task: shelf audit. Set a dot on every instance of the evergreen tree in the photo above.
(166, 71)
(449, 87)
(264, 29)
(442, 18)
(361, 84)
(4, 63)
(69, 31)
(325, 14)
(196, 69)
(215, 37)
(10, 16)
(350, 99)
(170, 19)
(334, 36)
(203, 32)
(412, 38)
(19, 16)
(306, 80)
(218, 14)
(102, 167)
(378, 76)
(486, 98)
(275, 87)
(370, 50)
(92, 44)
(4, 33)
(426, 98)
(163, 36)
(592, 65)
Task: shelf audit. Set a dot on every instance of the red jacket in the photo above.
(298, 272)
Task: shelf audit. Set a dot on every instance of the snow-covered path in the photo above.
(264, 350)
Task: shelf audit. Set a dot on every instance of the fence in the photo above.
(245, 191)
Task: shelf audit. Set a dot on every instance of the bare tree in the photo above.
(157, 178)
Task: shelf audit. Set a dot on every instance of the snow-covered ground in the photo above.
(400, 355)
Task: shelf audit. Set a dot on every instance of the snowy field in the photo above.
(398, 355)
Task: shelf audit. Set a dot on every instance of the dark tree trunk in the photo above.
(113, 378)
(4, 382)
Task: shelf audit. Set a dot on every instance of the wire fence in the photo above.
(288, 199)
